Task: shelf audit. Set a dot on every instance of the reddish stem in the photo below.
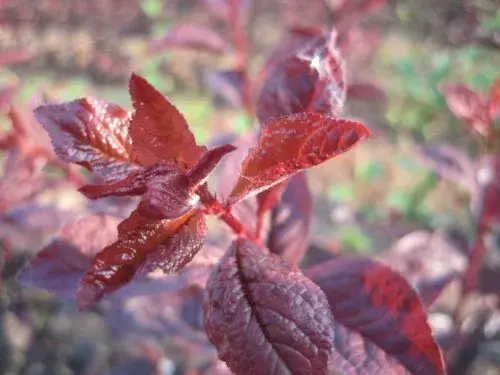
(213, 206)
(240, 43)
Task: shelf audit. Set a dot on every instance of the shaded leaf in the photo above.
(36, 218)
(292, 144)
(265, 317)
(227, 85)
(269, 198)
(227, 176)
(429, 261)
(495, 101)
(450, 163)
(197, 37)
(142, 243)
(469, 107)
(59, 266)
(380, 323)
(156, 317)
(91, 133)
(199, 173)
(159, 131)
(21, 181)
(164, 188)
(291, 221)
(309, 79)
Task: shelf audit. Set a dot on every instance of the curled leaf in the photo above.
(199, 173)
(159, 131)
(91, 133)
(142, 242)
(380, 323)
(292, 144)
(265, 317)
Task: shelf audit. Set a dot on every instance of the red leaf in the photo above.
(91, 133)
(164, 188)
(199, 173)
(192, 37)
(309, 79)
(495, 101)
(291, 221)
(469, 107)
(429, 261)
(159, 131)
(292, 144)
(59, 267)
(380, 323)
(167, 192)
(142, 242)
(265, 317)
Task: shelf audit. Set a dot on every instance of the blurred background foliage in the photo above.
(366, 198)
(424, 45)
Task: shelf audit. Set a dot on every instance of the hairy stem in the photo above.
(240, 43)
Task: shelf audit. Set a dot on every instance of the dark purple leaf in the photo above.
(429, 261)
(91, 133)
(380, 324)
(227, 85)
(265, 317)
(291, 221)
(308, 79)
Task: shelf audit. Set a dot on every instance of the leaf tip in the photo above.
(87, 295)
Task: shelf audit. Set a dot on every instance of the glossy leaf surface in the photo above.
(265, 317)
(91, 133)
(158, 130)
(139, 240)
(59, 266)
(292, 144)
(380, 323)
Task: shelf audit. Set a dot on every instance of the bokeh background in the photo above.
(365, 200)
